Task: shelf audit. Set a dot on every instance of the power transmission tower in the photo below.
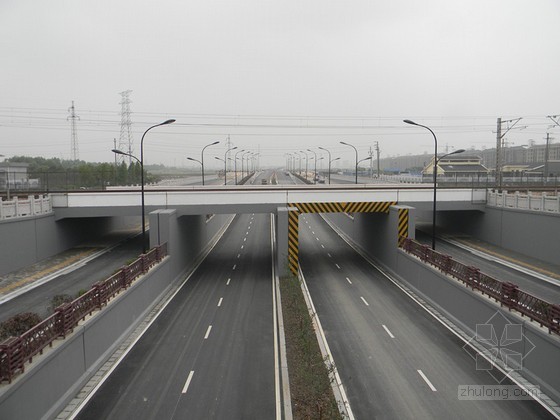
(125, 139)
(74, 154)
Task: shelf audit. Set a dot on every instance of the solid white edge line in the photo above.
(388, 332)
(336, 382)
(220, 301)
(282, 393)
(365, 301)
(433, 388)
(83, 403)
(208, 332)
(189, 378)
(467, 342)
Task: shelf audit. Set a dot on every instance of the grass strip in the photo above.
(311, 392)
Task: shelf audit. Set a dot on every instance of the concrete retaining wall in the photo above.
(52, 380)
(25, 241)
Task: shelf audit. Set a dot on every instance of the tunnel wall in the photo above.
(530, 233)
(27, 240)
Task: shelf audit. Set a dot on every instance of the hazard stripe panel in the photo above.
(403, 224)
(360, 207)
(293, 241)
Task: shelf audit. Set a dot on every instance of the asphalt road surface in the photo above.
(394, 359)
(210, 354)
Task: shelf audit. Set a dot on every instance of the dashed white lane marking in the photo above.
(388, 332)
(234, 266)
(337, 266)
(348, 280)
(427, 380)
(244, 239)
(246, 233)
(208, 332)
(317, 238)
(242, 246)
(227, 282)
(365, 301)
(238, 255)
(330, 256)
(313, 232)
(249, 228)
(184, 391)
(220, 301)
(322, 246)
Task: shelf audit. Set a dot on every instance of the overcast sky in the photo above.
(276, 76)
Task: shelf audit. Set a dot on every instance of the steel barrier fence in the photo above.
(507, 293)
(16, 351)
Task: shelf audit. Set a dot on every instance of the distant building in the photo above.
(457, 166)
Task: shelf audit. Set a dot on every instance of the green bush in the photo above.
(18, 324)
(58, 300)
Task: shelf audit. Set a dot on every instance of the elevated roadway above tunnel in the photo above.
(255, 199)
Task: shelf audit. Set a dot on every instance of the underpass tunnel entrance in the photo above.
(295, 209)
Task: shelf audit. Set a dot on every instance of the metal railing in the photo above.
(507, 293)
(22, 207)
(16, 351)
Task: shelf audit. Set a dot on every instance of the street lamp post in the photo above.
(355, 150)
(315, 172)
(195, 160)
(235, 163)
(299, 157)
(225, 163)
(306, 162)
(202, 158)
(330, 161)
(242, 160)
(141, 160)
(436, 160)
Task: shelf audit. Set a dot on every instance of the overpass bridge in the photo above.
(255, 199)
(285, 203)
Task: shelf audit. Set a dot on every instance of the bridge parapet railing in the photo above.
(16, 351)
(23, 207)
(525, 201)
(507, 293)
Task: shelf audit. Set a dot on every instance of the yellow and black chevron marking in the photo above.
(293, 220)
(403, 223)
(293, 241)
(361, 207)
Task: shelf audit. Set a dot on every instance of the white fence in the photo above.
(525, 201)
(22, 207)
